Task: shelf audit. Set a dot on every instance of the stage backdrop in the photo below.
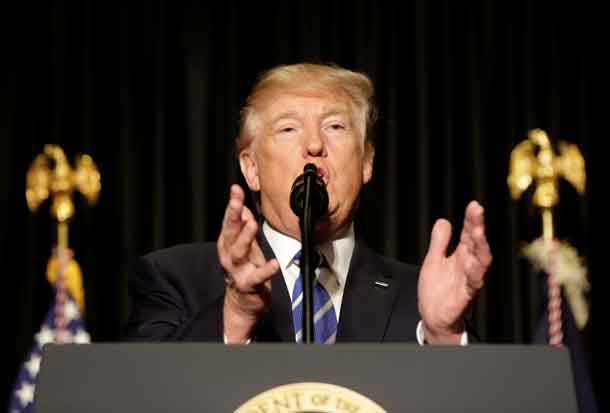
(152, 91)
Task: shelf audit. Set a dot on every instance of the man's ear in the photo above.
(249, 169)
(367, 165)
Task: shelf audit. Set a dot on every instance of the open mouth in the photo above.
(322, 173)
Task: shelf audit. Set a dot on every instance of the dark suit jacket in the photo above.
(177, 295)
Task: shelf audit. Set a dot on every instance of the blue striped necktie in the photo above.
(325, 318)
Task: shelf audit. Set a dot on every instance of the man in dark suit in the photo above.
(245, 287)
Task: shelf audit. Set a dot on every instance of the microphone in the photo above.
(318, 196)
(309, 201)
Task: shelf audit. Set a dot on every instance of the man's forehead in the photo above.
(296, 102)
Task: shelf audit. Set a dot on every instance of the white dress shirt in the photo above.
(338, 254)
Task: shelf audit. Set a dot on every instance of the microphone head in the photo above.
(318, 194)
(310, 168)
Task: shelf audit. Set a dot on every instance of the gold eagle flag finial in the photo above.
(533, 162)
(544, 169)
(51, 176)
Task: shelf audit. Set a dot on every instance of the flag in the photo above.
(62, 324)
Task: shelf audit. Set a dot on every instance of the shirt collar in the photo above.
(338, 252)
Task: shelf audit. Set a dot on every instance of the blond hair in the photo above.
(357, 86)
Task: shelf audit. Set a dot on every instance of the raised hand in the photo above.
(247, 273)
(448, 284)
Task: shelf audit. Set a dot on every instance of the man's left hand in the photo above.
(449, 284)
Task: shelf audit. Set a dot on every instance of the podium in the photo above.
(281, 378)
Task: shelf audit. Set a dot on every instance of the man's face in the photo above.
(294, 127)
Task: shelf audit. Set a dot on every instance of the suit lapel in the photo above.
(368, 299)
(277, 324)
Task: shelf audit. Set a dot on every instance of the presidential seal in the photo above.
(310, 398)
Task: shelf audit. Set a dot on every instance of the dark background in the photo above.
(152, 91)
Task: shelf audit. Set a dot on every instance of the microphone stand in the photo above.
(307, 270)
(309, 201)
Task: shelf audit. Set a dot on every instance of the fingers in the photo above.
(439, 240)
(232, 223)
(474, 254)
(240, 255)
(247, 215)
(481, 248)
(245, 247)
(474, 233)
(471, 267)
(474, 218)
(238, 231)
(248, 280)
(240, 249)
(475, 214)
(266, 272)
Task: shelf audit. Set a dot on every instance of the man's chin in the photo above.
(326, 229)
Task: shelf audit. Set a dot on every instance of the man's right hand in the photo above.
(247, 273)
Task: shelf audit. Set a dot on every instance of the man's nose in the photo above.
(314, 144)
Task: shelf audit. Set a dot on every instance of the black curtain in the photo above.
(152, 92)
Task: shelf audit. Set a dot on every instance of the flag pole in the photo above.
(51, 175)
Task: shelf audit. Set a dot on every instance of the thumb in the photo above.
(439, 240)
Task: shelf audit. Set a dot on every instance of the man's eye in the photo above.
(287, 129)
(337, 126)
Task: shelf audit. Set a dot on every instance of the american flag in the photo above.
(64, 312)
